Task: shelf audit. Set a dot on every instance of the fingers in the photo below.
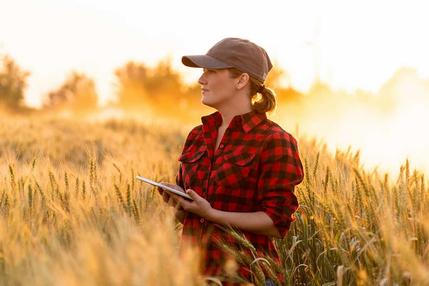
(165, 195)
(185, 204)
(168, 198)
(174, 201)
(192, 194)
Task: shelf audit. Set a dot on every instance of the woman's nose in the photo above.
(202, 80)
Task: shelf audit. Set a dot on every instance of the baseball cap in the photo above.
(236, 53)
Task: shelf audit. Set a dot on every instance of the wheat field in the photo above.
(71, 212)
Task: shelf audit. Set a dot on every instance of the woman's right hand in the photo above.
(168, 197)
(172, 200)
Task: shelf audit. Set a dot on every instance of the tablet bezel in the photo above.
(164, 187)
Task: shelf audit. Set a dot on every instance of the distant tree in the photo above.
(131, 80)
(164, 82)
(141, 85)
(13, 81)
(163, 89)
(76, 93)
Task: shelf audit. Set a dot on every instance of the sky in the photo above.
(349, 44)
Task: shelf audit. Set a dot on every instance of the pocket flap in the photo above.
(240, 159)
(191, 156)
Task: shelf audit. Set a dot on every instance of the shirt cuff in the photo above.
(281, 223)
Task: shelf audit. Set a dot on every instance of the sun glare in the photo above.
(349, 46)
(387, 127)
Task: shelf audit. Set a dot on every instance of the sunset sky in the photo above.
(349, 44)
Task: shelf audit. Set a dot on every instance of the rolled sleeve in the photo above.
(281, 171)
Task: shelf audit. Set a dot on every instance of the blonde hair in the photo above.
(263, 99)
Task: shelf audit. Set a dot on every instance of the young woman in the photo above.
(239, 167)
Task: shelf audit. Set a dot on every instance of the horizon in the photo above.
(350, 46)
(354, 46)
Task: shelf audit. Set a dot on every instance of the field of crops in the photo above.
(71, 212)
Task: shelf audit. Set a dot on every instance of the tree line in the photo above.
(137, 85)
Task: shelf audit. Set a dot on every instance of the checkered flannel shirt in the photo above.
(255, 168)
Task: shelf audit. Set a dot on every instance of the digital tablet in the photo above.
(164, 187)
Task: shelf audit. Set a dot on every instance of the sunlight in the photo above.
(311, 41)
(387, 128)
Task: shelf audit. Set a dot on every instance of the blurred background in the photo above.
(353, 74)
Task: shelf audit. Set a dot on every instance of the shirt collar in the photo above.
(246, 121)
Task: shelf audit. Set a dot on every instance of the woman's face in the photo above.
(217, 87)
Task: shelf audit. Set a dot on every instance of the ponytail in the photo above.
(262, 99)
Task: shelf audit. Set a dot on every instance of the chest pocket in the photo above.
(239, 169)
(191, 168)
(191, 157)
(239, 158)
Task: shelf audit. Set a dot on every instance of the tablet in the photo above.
(164, 187)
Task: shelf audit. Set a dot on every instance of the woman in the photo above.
(239, 167)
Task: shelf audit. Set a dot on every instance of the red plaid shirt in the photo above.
(255, 168)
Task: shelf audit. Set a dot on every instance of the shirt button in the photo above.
(202, 220)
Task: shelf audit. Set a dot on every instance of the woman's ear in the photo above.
(243, 79)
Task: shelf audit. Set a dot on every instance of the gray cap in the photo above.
(234, 53)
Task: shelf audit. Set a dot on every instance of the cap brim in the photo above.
(204, 61)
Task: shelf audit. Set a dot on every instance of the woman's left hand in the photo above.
(198, 206)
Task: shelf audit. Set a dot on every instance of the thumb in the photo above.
(192, 194)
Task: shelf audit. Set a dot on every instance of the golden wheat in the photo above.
(71, 213)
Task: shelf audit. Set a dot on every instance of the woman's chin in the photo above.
(207, 102)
